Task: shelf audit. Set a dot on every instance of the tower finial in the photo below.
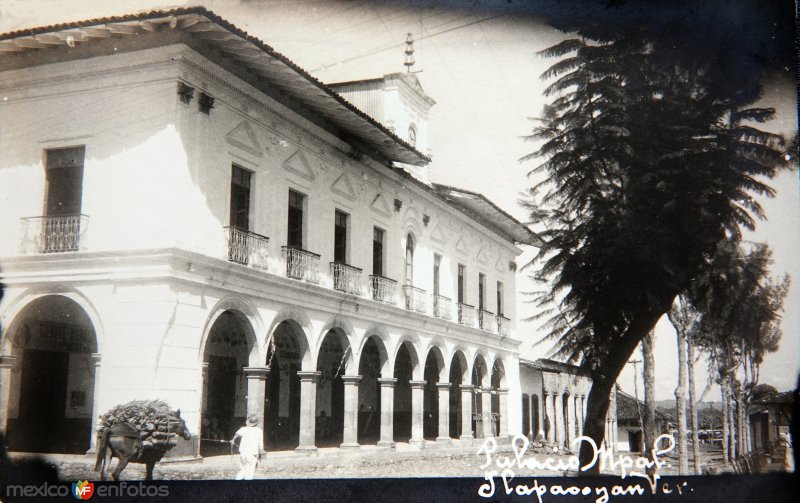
(409, 62)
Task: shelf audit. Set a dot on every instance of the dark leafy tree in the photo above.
(646, 162)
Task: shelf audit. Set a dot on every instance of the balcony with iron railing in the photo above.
(53, 234)
(346, 278)
(442, 307)
(416, 299)
(301, 264)
(247, 248)
(383, 289)
(487, 320)
(503, 325)
(466, 315)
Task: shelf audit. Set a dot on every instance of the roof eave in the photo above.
(380, 141)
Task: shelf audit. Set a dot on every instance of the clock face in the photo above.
(412, 136)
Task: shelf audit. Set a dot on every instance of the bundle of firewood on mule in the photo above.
(141, 431)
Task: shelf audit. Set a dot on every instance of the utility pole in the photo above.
(636, 392)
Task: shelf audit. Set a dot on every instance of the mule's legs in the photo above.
(149, 466)
(121, 464)
(106, 463)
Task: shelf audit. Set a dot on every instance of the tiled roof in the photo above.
(482, 209)
(257, 57)
(628, 412)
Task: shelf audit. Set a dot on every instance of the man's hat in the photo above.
(252, 420)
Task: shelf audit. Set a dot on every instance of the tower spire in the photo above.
(409, 62)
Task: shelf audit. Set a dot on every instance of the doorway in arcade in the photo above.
(51, 388)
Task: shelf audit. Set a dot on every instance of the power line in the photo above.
(401, 44)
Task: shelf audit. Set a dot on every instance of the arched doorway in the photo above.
(226, 353)
(430, 401)
(369, 393)
(403, 368)
(51, 394)
(479, 381)
(458, 369)
(331, 363)
(282, 399)
(526, 415)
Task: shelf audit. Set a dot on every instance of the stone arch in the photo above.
(373, 364)
(480, 370)
(498, 373)
(458, 375)
(15, 307)
(334, 357)
(380, 334)
(406, 364)
(247, 314)
(344, 329)
(434, 373)
(460, 354)
(229, 344)
(51, 388)
(301, 322)
(288, 353)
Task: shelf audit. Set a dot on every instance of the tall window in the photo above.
(461, 282)
(340, 237)
(64, 175)
(409, 273)
(500, 299)
(294, 238)
(437, 262)
(378, 236)
(240, 198)
(481, 290)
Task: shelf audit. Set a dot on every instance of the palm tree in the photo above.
(634, 207)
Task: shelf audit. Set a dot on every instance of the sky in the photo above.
(482, 68)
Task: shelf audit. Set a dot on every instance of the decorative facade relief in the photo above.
(462, 247)
(298, 164)
(439, 234)
(380, 205)
(243, 137)
(344, 186)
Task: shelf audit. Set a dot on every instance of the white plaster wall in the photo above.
(157, 175)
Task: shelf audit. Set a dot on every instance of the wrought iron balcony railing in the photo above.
(301, 264)
(442, 307)
(487, 321)
(346, 278)
(247, 248)
(503, 325)
(416, 299)
(383, 289)
(54, 234)
(466, 314)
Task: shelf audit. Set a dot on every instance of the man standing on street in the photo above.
(251, 445)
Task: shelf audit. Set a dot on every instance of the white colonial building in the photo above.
(190, 216)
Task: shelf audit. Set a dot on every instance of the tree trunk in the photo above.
(723, 390)
(604, 377)
(680, 405)
(693, 406)
(731, 425)
(649, 364)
